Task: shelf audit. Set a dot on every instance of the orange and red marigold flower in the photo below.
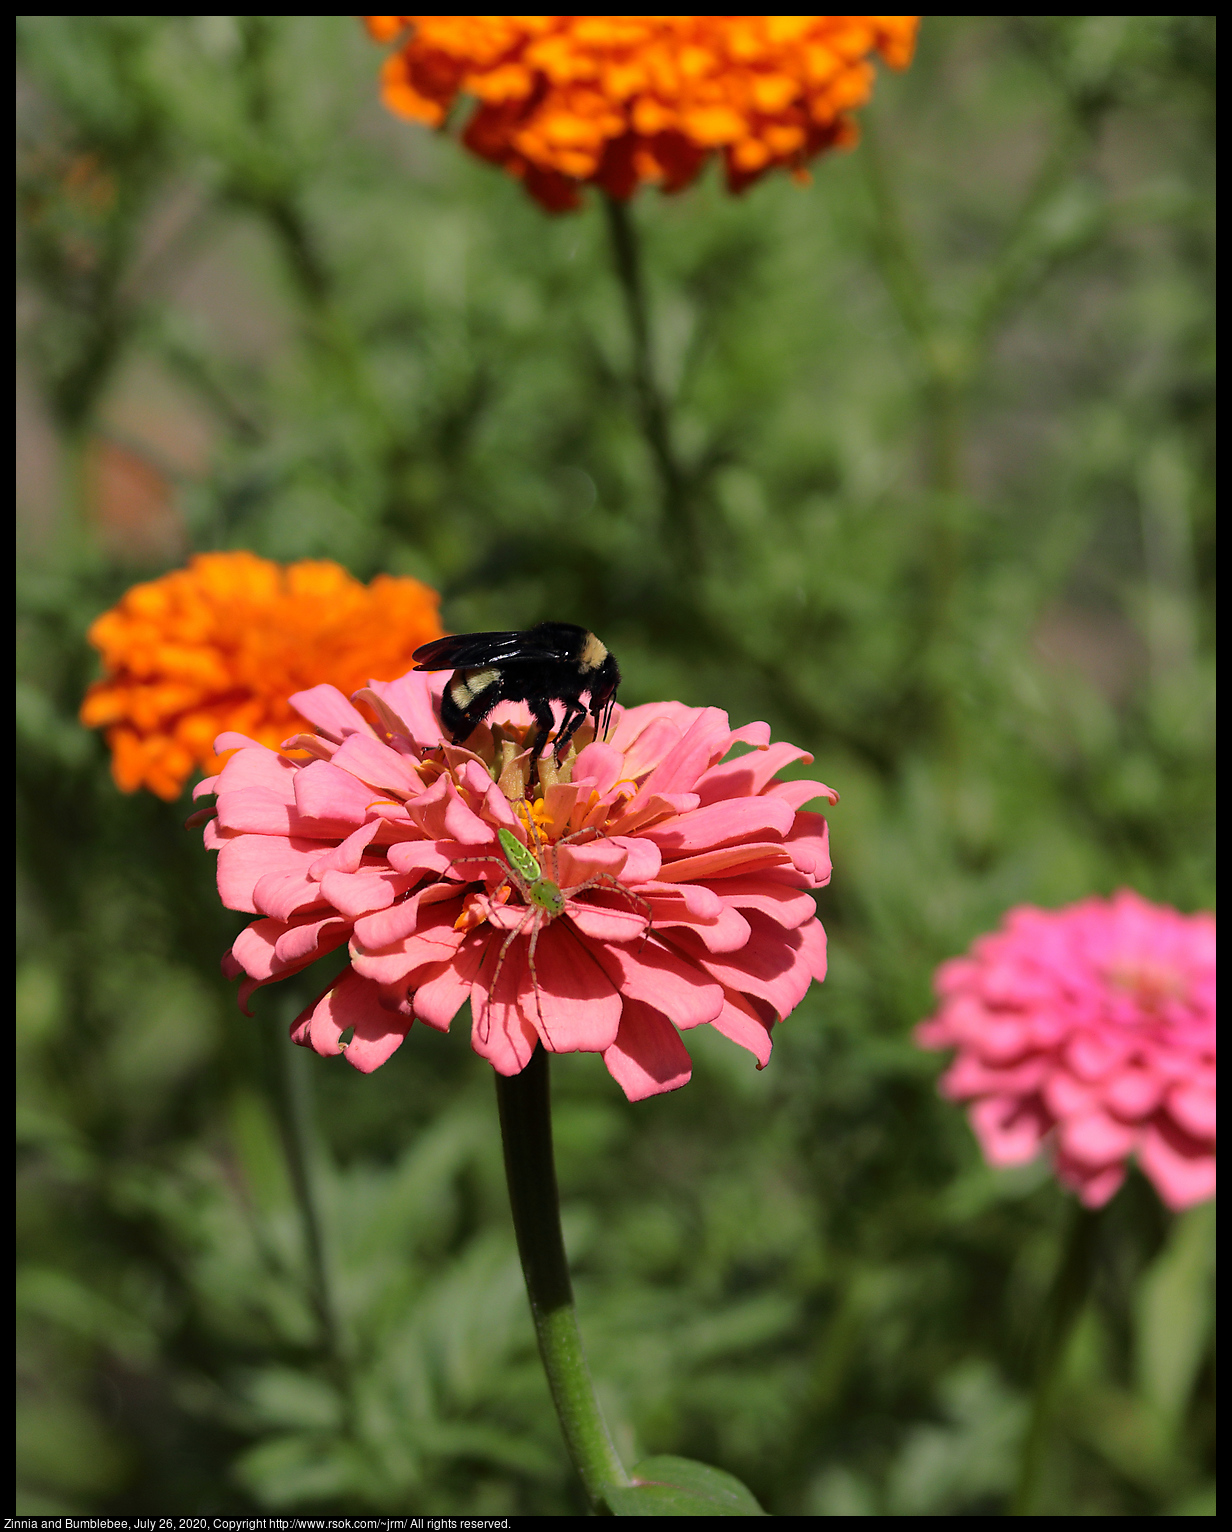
(685, 880)
(618, 101)
(223, 644)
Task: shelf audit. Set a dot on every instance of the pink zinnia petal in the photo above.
(257, 811)
(501, 1030)
(664, 978)
(439, 997)
(607, 921)
(330, 713)
(573, 1004)
(1095, 1139)
(723, 824)
(739, 1021)
(351, 1002)
(376, 764)
(1182, 1169)
(778, 967)
(785, 903)
(332, 798)
(648, 1056)
(1193, 1108)
(1009, 1132)
(415, 699)
(246, 860)
(748, 775)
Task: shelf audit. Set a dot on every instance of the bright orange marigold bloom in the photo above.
(622, 100)
(224, 643)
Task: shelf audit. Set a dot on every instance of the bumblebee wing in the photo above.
(548, 641)
(460, 651)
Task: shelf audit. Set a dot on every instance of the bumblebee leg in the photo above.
(541, 710)
(464, 721)
(575, 716)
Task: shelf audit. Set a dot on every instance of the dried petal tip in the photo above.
(1090, 1029)
(619, 101)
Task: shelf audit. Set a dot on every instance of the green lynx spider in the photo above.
(544, 897)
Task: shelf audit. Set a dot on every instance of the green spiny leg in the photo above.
(600, 877)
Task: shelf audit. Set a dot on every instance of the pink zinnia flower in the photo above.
(684, 881)
(1094, 1027)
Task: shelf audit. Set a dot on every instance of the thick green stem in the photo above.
(526, 1131)
(679, 529)
(1062, 1307)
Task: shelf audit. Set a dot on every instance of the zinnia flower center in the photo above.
(1151, 985)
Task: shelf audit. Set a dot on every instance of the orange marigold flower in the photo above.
(622, 100)
(224, 643)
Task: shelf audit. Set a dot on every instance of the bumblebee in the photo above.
(554, 662)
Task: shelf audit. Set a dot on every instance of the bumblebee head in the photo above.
(603, 687)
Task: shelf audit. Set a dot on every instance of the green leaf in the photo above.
(668, 1486)
(1175, 1308)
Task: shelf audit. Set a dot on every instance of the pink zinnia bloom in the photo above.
(1092, 1027)
(685, 881)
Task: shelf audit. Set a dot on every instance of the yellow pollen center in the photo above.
(535, 814)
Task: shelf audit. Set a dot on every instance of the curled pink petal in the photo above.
(348, 855)
(415, 699)
(740, 1021)
(328, 711)
(360, 893)
(351, 1002)
(379, 1030)
(1091, 1030)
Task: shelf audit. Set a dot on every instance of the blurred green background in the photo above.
(941, 440)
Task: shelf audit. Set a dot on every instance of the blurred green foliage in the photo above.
(935, 496)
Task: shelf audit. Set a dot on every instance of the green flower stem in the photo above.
(526, 1131)
(680, 531)
(1064, 1303)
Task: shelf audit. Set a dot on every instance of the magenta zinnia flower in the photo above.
(684, 881)
(1092, 1027)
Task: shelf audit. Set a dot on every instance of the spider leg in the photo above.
(534, 979)
(468, 861)
(635, 899)
(591, 834)
(500, 963)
